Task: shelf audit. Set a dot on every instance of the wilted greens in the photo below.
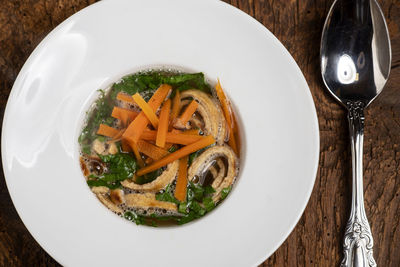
(122, 138)
(120, 167)
(149, 81)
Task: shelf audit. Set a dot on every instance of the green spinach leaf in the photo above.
(149, 177)
(132, 216)
(187, 218)
(100, 114)
(120, 167)
(172, 149)
(208, 203)
(110, 185)
(167, 195)
(194, 155)
(208, 190)
(225, 192)
(150, 81)
(198, 202)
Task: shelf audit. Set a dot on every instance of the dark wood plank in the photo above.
(317, 239)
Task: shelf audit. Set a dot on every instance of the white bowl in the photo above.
(107, 40)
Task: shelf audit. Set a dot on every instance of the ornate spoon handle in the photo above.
(358, 242)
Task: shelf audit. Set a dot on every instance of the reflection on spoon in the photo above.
(346, 70)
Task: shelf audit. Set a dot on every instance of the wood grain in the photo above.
(317, 239)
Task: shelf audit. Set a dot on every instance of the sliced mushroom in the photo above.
(211, 113)
(112, 149)
(84, 167)
(218, 178)
(167, 177)
(100, 189)
(148, 200)
(213, 171)
(98, 147)
(91, 165)
(105, 199)
(202, 163)
(217, 171)
(195, 122)
(117, 196)
(102, 194)
(103, 148)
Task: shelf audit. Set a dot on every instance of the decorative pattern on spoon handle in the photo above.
(358, 237)
(358, 242)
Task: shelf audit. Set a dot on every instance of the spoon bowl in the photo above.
(355, 51)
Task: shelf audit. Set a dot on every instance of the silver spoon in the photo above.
(355, 65)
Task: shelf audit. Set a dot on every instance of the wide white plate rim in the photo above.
(257, 24)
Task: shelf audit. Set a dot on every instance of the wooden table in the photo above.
(317, 238)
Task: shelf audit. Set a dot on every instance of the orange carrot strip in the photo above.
(175, 138)
(135, 150)
(125, 97)
(175, 131)
(236, 133)
(151, 150)
(107, 131)
(192, 132)
(187, 114)
(125, 146)
(232, 142)
(148, 111)
(139, 124)
(182, 180)
(228, 115)
(234, 123)
(124, 115)
(117, 137)
(184, 151)
(163, 125)
(189, 111)
(176, 106)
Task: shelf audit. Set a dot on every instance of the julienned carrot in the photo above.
(176, 106)
(135, 150)
(117, 137)
(182, 180)
(151, 150)
(187, 114)
(189, 111)
(236, 133)
(124, 115)
(192, 132)
(163, 125)
(148, 161)
(125, 146)
(107, 131)
(232, 141)
(148, 111)
(176, 131)
(180, 153)
(228, 115)
(139, 124)
(125, 97)
(175, 138)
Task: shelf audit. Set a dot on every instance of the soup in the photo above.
(160, 147)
